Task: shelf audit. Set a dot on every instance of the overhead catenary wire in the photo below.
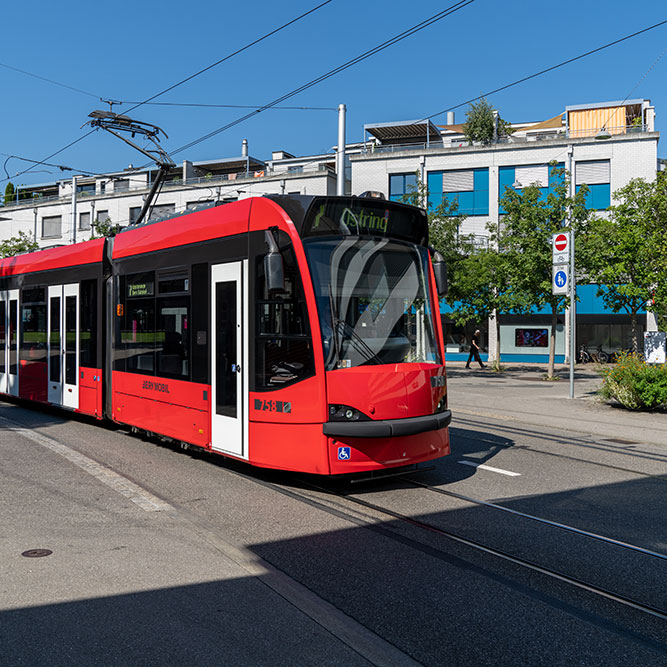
(55, 83)
(548, 69)
(350, 63)
(228, 57)
(162, 92)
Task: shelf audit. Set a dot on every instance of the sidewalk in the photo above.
(520, 394)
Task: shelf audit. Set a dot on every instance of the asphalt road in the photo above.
(160, 557)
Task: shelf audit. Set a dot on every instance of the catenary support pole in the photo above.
(573, 285)
(73, 227)
(340, 154)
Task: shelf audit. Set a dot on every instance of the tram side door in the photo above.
(63, 345)
(4, 348)
(229, 356)
(10, 382)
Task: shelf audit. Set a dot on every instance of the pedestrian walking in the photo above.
(474, 350)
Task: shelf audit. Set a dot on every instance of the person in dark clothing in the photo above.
(474, 350)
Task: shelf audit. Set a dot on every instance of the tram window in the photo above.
(283, 344)
(172, 338)
(33, 325)
(138, 336)
(173, 283)
(88, 324)
(13, 360)
(199, 327)
(3, 316)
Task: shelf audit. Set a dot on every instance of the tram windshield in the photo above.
(373, 301)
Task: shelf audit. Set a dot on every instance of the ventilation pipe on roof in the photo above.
(450, 118)
(244, 148)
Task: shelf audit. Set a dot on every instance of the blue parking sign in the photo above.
(343, 453)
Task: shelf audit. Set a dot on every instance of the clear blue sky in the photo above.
(131, 50)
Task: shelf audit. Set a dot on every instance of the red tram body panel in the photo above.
(297, 333)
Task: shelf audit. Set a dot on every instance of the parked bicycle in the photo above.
(599, 356)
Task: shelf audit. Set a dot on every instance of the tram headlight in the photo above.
(345, 413)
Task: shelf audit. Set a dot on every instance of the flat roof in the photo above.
(404, 129)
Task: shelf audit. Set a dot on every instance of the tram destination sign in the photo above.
(560, 245)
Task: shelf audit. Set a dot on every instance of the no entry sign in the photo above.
(561, 247)
(560, 242)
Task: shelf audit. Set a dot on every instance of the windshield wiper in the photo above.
(360, 344)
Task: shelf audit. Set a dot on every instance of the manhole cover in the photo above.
(36, 553)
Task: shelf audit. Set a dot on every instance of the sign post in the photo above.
(562, 245)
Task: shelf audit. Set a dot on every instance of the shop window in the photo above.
(531, 337)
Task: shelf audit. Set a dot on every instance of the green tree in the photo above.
(477, 282)
(524, 238)
(10, 193)
(480, 120)
(17, 245)
(102, 228)
(626, 252)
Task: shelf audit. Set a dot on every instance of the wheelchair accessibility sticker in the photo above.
(343, 453)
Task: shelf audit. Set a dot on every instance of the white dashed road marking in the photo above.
(483, 467)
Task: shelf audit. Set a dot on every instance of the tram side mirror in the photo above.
(440, 271)
(273, 265)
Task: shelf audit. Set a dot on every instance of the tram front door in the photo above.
(63, 345)
(9, 342)
(228, 359)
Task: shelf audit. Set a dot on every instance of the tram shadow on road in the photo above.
(434, 599)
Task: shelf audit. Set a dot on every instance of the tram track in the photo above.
(342, 511)
(575, 442)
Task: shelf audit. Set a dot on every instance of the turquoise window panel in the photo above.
(507, 177)
(598, 197)
(475, 202)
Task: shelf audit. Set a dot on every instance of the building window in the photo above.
(401, 185)
(84, 221)
(517, 178)
(86, 189)
(596, 175)
(295, 169)
(121, 185)
(468, 189)
(134, 214)
(102, 216)
(52, 227)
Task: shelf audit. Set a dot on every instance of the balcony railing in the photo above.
(203, 181)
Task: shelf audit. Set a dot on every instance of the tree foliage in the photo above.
(17, 245)
(479, 125)
(625, 253)
(524, 238)
(10, 193)
(102, 228)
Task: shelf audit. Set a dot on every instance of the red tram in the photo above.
(291, 332)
